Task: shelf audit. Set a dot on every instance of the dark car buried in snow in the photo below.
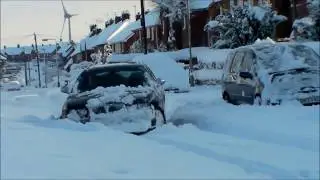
(124, 96)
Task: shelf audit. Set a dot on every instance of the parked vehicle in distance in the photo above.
(271, 74)
(114, 94)
(10, 85)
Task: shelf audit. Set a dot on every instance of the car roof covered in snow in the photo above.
(114, 65)
(274, 57)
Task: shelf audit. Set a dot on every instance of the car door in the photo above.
(247, 86)
(232, 79)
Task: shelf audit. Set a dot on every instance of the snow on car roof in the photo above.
(284, 56)
(122, 64)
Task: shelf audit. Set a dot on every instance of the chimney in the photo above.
(92, 27)
(117, 19)
(138, 16)
(125, 16)
(111, 21)
(106, 24)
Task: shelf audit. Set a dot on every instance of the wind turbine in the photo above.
(67, 16)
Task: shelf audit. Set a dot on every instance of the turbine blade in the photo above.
(64, 8)
(64, 22)
(74, 15)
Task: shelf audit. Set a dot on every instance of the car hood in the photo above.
(121, 94)
(296, 84)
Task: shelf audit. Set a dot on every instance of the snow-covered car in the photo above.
(270, 73)
(11, 85)
(164, 67)
(123, 96)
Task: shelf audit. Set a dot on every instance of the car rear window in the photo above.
(115, 76)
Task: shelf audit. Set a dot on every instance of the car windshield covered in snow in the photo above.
(301, 80)
(278, 57)
(108, 76)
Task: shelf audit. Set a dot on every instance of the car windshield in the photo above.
(296, 79)
(131, 76)
(283, 57)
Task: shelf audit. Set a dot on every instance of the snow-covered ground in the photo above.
(206, 138)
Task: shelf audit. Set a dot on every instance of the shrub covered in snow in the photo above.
(308, 28)
(138, 47)
(176, 12)
(244, 26)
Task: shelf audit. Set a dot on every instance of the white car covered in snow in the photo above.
(10, 85)
(164, 67)
(270, 73)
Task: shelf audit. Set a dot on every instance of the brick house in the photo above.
(131, 31)
(153, 29)
(198, 19)
(285, 8)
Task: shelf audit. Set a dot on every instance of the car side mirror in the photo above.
(161, 81)
(65, 88)
(246, 75)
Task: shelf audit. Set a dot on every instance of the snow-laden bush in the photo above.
(308, 28)
(101, 57)
(244, 26)
(176, 11)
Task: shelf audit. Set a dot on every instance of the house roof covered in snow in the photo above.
(2, 57)
(49, 48)
(201, 4)
(123, 33)
(126, 30)
(77, 50)
(101, 38)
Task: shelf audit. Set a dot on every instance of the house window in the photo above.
(118, 47)
(148, 33)
(152, 34)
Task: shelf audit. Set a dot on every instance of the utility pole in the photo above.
(143, 24)
(25, 69)
(45, 69)
(293, 9)
(29, 68)
(191, 78)
(135, 10)
(38, 63)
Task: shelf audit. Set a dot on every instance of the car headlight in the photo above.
(64, 110)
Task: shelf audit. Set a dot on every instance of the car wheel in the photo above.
(257, 100)
(226, 97)
(160, 118)
(80, 115)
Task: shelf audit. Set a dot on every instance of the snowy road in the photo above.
(206, 138)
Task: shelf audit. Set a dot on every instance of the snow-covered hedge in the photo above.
(308, 28)
(244, 26)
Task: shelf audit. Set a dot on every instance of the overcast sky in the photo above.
(19, 19)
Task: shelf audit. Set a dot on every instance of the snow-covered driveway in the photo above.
(206, 138)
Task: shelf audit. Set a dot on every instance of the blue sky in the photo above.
(19, 19)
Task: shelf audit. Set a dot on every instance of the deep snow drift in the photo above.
(206, 138)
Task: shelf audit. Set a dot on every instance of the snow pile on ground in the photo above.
(167, 69)
(211, 140)
(208, 69)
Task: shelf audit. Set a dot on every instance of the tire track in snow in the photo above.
(179, 137)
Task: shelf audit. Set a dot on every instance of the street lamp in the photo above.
(49, 39)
